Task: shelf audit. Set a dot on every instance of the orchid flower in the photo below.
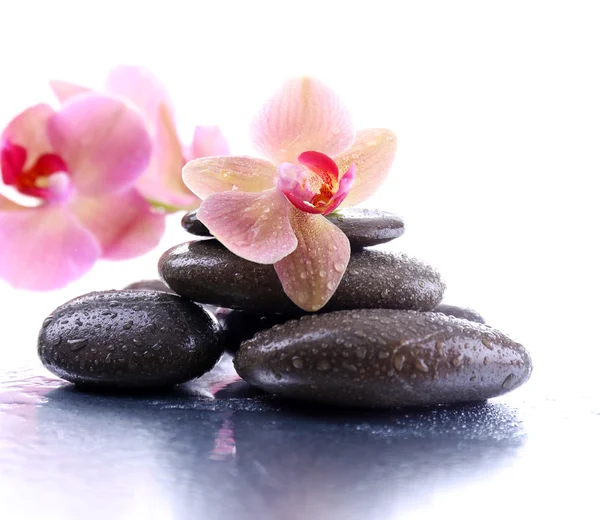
(271, 211)
(161, 183)
(79, 166)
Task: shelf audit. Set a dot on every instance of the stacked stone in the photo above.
(383, 340)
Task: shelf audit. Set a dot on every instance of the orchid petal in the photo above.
(142, 88)
(303, 115)
(208, 141)
(311, 274)
(210, 175)
(254, 226)
(372, 153)
(9, 205)
(12, 161)
(44, 248)
(63, 90)
(104, 143)
(29, 130)
(162, 182)
(320, 164)
(346, 184)
(131, 231)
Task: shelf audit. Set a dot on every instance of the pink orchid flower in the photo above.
(79, 165)
(161, 183)
(274, 214)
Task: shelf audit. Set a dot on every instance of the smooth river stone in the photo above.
(238, 326)
(149, 285)
(383, 358)
(459, 312)
(206, 272)
(363, 227)
(129, 339)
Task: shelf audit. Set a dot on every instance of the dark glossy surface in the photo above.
(217, 449)
(129, 339)
(382, 358)
(206, 272)
(363, 227)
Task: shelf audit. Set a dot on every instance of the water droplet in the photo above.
(487, 344)
(338, 267)
(421, 366)
(330, 286)
(383, 354)
(456, 361)
(361, 353)
(322, 273)
(47, 322)
(77, 343)
(485, 361)
(399, 360)
(508, 382)
(278, 377)
(323, 365)
(303, 275)
(297, 362)
(128, 325)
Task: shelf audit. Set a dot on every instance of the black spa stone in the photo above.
(383, 358)
(129, 339)
(459, 312)
(206, 272)
(363, 227)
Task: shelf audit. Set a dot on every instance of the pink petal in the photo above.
(30, 130)
(321, 164)
(64, 90)
(208, 141)
(124, 224)
(216, 174)
(372, 153)
(254, 226)
(311, 274)
(104, 143)
(303, 115)
(44, 248)
(142, 88)
(12, 161)
(162, 182)
(345, 185)
(8, 205)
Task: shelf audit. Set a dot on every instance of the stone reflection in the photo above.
(248, 455)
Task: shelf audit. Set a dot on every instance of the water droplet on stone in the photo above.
(323, 365)
(297, 362)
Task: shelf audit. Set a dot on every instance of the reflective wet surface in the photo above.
(218, 449)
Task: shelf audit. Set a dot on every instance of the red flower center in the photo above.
(35, 181)
(315, 186)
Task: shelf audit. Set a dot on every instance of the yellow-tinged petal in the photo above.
(372, 153)
(254, 226)
(311, 274)
(210, 175)
(303, 115)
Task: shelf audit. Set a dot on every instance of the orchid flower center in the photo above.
(315, 185)
(47, 179)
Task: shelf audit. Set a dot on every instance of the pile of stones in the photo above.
(383, 340)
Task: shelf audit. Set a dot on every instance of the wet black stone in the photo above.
(238, 326)
(367, 227)
(192, 225)
(129, 339)
(363, 227)
(459, 312)
(206, 272)
(383, 358)
(149, 285)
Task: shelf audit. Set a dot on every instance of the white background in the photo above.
(496, 105)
